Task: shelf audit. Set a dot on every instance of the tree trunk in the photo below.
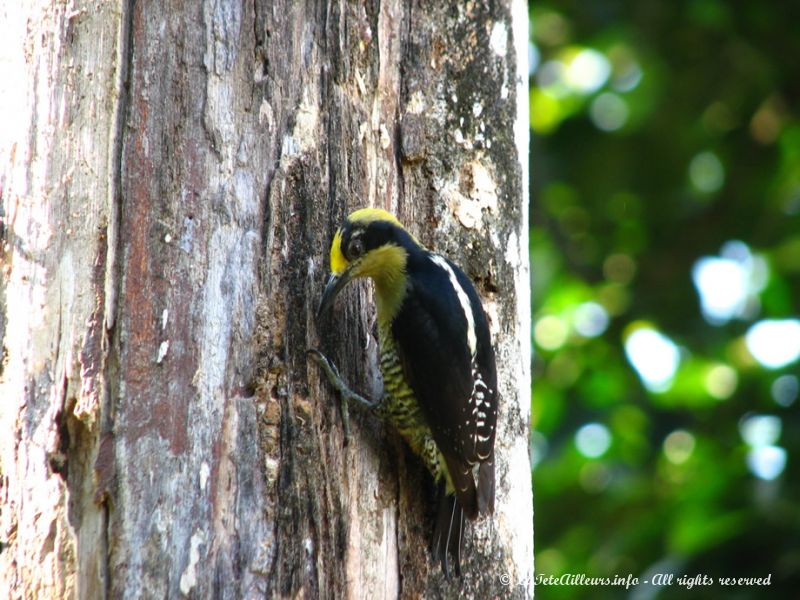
(172, 176)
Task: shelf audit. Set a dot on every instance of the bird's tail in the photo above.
(448, 537)
(456, 508)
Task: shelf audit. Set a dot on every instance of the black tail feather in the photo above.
(486, 487)
(448, 537)
(468, 502)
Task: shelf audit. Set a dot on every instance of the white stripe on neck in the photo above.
(463, 299)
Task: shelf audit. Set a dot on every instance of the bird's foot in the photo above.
(345, 393)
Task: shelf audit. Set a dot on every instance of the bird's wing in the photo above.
(451, 385)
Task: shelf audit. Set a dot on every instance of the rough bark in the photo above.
(171, 180)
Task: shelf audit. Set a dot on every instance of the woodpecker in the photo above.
(437, 362)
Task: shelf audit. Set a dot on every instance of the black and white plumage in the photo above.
(437, 361)
(448, 361)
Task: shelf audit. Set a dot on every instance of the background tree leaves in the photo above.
(663, 134)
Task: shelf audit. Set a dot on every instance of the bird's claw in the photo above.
(345, 393)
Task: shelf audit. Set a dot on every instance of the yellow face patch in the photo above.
(338, 261)
(360, 219)
(384, 264)
(361, 216)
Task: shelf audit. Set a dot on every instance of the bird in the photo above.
(436, 360)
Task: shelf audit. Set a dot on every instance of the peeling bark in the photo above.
(170, 184)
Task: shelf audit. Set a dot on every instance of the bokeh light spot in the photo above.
(608, 112)
(550, 28)
(550, 332)
(767, 462)
(785, 390)
(774, 343)
(590, 319)
(587, 71)
(628, 77)
(619, 268)
(760, 430)
(721, 285)
(538, 448)
(593, 440)
(721, 381)
(767, 122)
(729, 285)
(706, 172)
(551, 77)
(654, 356)
(678, 446)
(533, 58)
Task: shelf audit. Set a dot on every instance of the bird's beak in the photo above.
(335, 284)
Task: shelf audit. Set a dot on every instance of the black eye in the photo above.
(355, 249)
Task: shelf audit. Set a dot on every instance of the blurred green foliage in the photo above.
(662, 131)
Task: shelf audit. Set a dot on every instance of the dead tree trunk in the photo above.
(172, 174)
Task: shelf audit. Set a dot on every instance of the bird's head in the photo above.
(370, 243)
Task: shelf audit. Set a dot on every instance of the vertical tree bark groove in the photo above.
(171, 182)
